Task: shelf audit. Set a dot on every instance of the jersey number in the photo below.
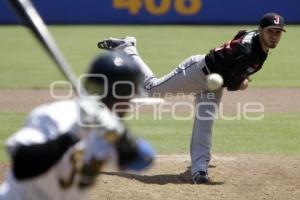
(86, 171)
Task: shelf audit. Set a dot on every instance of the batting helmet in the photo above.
(114, 75)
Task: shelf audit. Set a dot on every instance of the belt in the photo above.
(205, 70)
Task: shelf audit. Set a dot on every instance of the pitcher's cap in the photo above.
(272, 20)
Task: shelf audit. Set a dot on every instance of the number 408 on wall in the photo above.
(159, 7)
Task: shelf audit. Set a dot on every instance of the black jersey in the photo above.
(237, 59)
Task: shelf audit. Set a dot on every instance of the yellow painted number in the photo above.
(133, 6)
(160, 9)
(192, 8)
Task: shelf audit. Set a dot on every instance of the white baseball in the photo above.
(214, 81)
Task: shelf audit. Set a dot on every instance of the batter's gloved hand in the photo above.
(134, 154)
(95, 117)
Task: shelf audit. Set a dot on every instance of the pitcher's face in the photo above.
(270, 37)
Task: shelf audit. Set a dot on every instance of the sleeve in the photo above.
(35, 159)
(237, 71)
(38, 146)
(38, 129)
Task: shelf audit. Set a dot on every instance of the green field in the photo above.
(275, 134)
(25, 65)
(162, 47)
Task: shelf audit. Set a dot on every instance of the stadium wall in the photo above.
(157, 11)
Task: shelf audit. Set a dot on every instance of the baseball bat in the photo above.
(31, 18)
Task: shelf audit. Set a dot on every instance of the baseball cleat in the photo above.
(200, 177)
(115, 43)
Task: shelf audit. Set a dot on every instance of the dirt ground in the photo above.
(275, 100)
(233, 176)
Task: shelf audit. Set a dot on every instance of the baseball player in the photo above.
(58, 153)
(235, 61)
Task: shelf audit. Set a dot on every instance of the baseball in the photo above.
(214, 81)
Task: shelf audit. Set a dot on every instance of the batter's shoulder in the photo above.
(59, 115)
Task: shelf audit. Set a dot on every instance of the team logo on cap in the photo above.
(276, 19)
